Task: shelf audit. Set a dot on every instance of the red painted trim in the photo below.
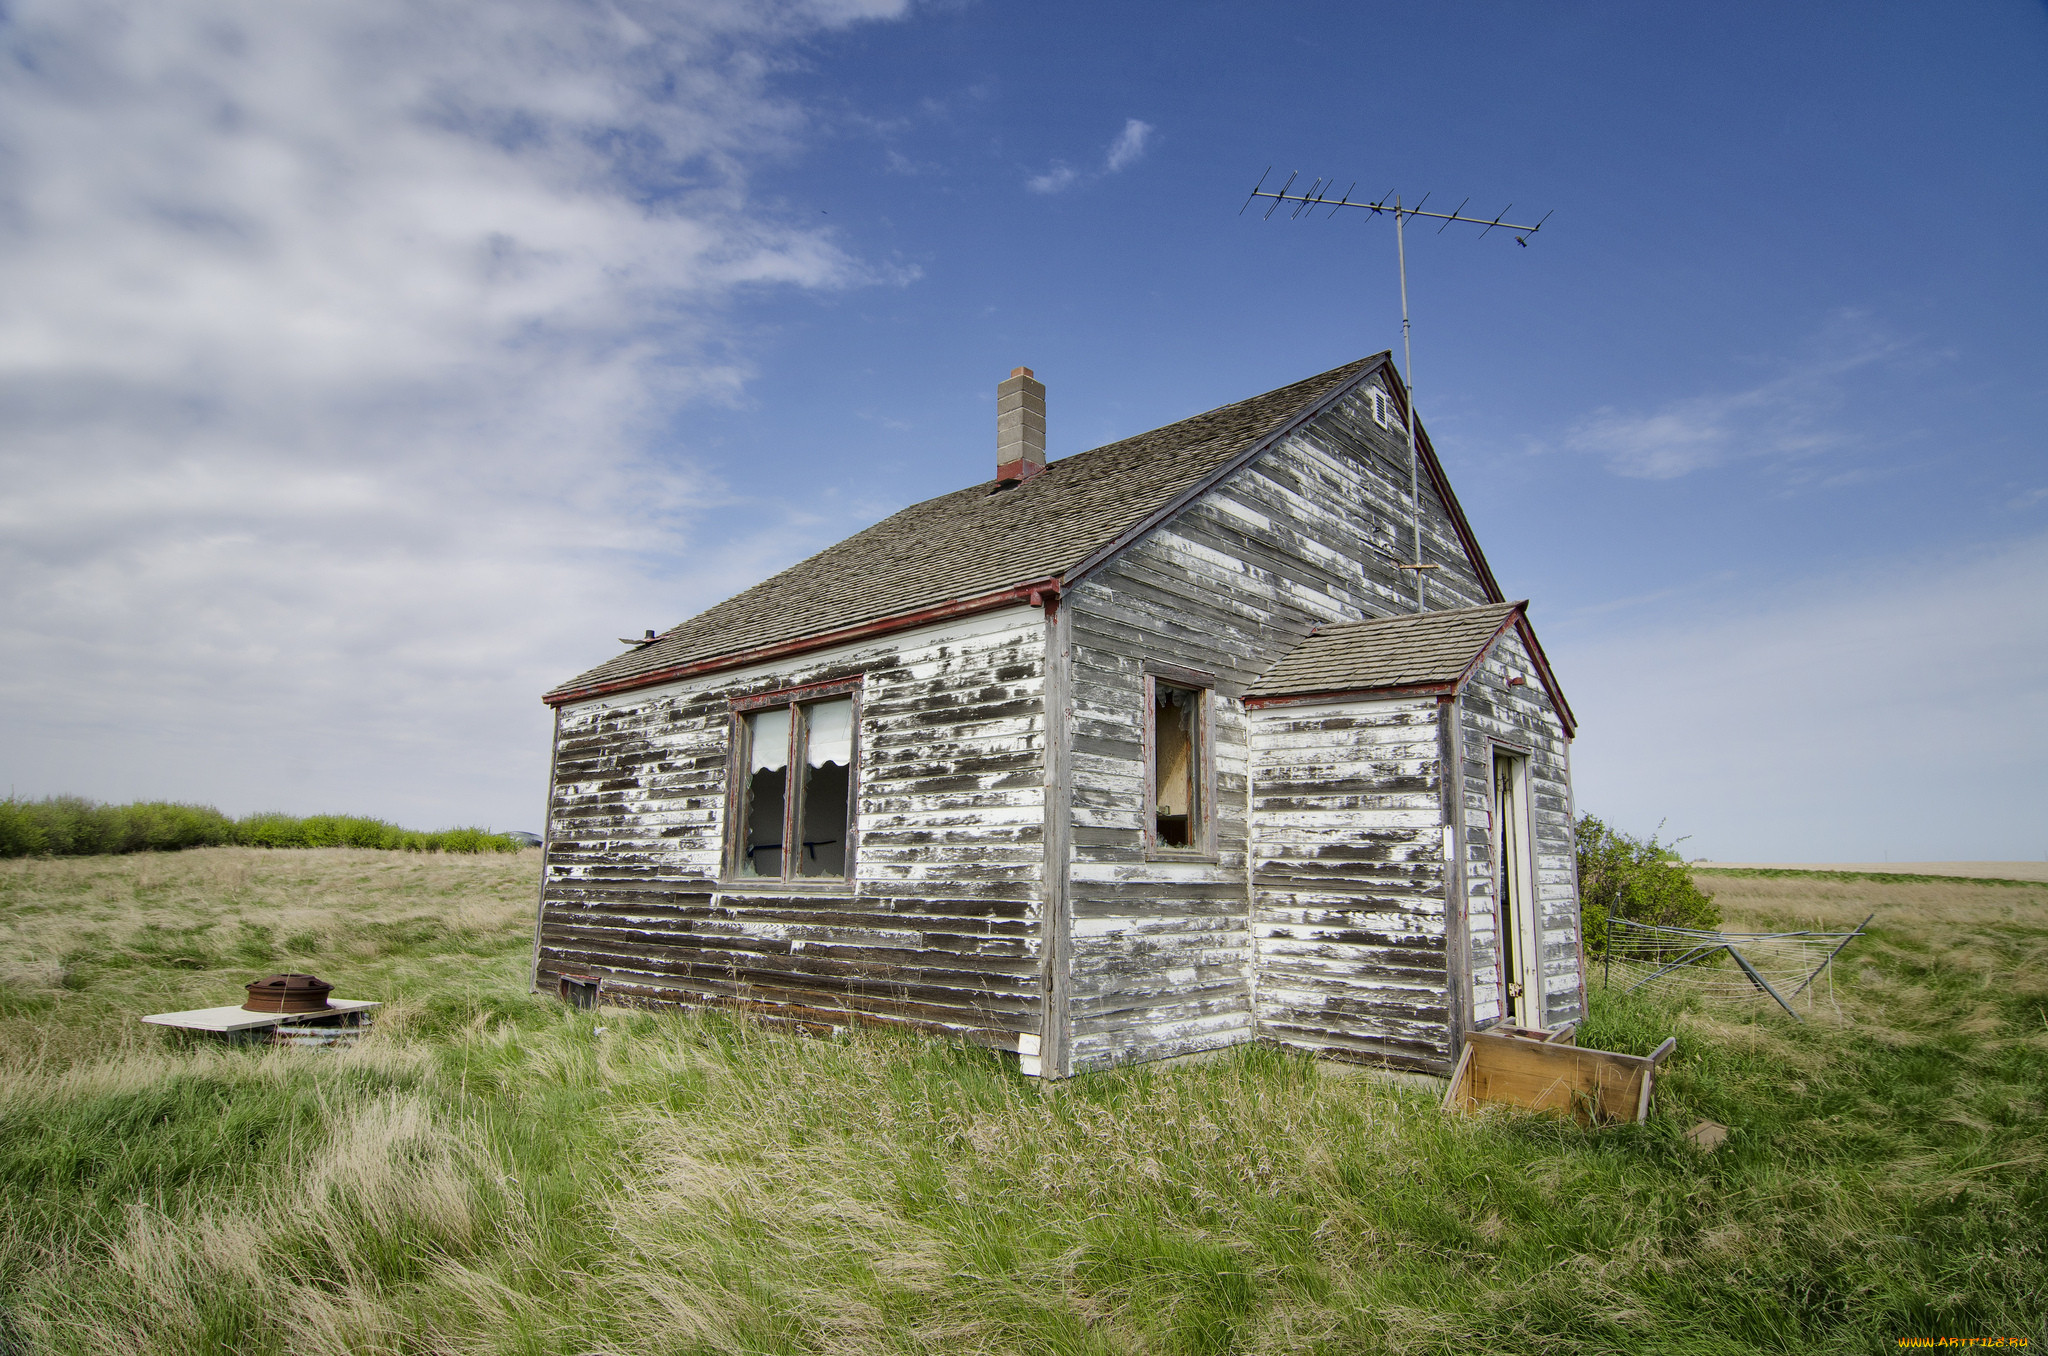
(739, 753)
(786, 696)
(739, 767)
(960, 607)
(1514, 614)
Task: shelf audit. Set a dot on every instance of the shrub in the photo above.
(72, 826)
(272, 829)
(21, 830)
(1639, 879)
(163, 826)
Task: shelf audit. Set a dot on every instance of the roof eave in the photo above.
(1508, 619)
(1033, 594)
(1378, 692)
(1545, 676)
(1515, 618)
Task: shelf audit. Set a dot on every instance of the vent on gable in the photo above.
(1382, 405)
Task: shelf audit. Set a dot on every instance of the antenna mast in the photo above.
(1318, 195)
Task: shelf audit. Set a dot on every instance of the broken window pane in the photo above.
(828, 759)
(766, 792)
(1176, 742)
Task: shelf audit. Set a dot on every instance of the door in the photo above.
(1514, 873)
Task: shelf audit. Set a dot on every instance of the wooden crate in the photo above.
(1567, 1034)
(1598, 1087)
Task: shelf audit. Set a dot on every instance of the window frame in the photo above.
(738, 765)
(1202, 837)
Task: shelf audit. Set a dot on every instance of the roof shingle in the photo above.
(978, 541)
(1415, 649)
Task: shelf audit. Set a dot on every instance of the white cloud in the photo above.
(334, 341)
(1124, 151)
(1055, 180)
(1129, 145)
(1786, 416)
(1891, 710)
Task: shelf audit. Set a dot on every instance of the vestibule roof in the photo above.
(1416, 652)
(980, 541)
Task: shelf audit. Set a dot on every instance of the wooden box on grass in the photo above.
(1597, 1087)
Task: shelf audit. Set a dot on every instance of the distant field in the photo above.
(492, 1173)
(2031, 871)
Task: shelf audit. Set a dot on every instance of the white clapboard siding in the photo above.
(1350, 906)
(1162, 959)
(940, 927)
(1491, 708)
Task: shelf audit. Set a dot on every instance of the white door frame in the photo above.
(1514, 886)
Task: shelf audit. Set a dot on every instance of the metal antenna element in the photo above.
(1318, 195)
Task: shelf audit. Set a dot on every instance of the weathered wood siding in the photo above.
(1522, 718)
(1306, 533)
(1348, 845)
(940, 925)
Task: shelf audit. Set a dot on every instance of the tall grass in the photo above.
(490, 1172)
(72, 826)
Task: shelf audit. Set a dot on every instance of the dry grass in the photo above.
(89, 943)
(492, 1173)
(1994, 935)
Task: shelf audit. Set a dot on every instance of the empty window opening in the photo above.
(579, 993)
(1176, 766)
(795, 826)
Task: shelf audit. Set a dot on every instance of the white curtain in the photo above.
(831, 733)
(771, 738)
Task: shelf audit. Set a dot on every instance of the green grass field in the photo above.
(489, 1172)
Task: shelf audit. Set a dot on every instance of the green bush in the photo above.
(1639, 879)
(72, 826)
(21, 830)
(270, 829)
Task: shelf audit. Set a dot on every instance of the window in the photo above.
(793, 807)
(1177, 766)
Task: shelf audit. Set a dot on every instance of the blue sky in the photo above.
(364, 372)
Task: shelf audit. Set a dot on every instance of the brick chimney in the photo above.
(1020, 426)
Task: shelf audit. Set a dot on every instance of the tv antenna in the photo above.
(1318, 196)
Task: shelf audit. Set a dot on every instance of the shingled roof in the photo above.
(1416, 649)
(977, 541)
(1416, 652)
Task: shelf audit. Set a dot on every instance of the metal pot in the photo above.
(288, 993)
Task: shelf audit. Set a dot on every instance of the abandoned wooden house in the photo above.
(1140, 752)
